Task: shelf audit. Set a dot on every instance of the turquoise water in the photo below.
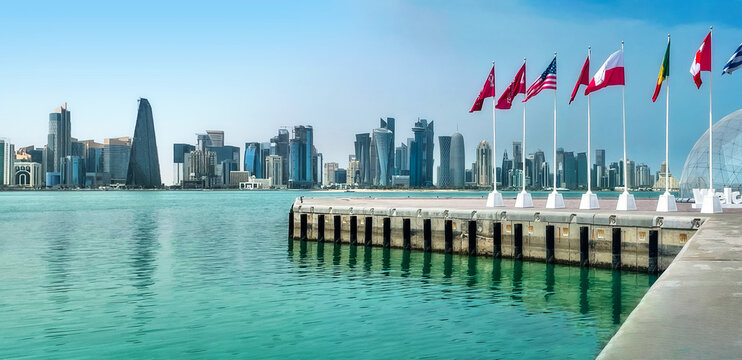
(212, 275)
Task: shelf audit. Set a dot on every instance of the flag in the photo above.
(611, 73)
(735, 62)
(547, 80)
(584, 78)
(702, 61)
(664, 72)
(518, 86)
(487, 91)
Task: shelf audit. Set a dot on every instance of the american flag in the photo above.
(547, 80)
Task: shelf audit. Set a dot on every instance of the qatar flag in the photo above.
(611, 73)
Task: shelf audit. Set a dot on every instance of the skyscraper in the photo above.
(581, 170)
(252, 159)
(59, 144)
(144, 163)
(644, 178)
(421, 154)
(517, 155)
(483, 164)
(401, 161)
(303, 158)
(458, 160)
(383, 139)
(329, 173)
(505, 168)
(570, 170)
(280, 147)
(216, 137)
(538, 170)
(362, 147)
(389, 124)
(444, 161)
(179, 152)
(116, 152)
(7, 160)
(274, 169)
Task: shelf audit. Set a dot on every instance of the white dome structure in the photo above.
(727, 158)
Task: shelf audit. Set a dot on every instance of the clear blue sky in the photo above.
(249, 67)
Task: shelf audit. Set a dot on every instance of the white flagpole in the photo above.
(667, 127)
(625, 164)
(625, 200)
(711, 132)
(711, 203)
(589, 200)
(494, 133)
(523, 148)
(524, 199)
(666, 201)
(555, 132)
(555, 199)
(494, 199)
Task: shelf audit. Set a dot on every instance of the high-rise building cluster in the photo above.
(285, 161)
(66, 162)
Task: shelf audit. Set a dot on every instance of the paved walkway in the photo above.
(694, 310)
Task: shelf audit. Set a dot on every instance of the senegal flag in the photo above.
(664, 71)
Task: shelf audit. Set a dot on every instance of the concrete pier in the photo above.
(640, 241)
(692, 311)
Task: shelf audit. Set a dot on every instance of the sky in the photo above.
(249, 68)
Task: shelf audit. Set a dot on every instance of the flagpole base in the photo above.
(711, 203)
(589, 201)
(494, 199)
(524, 200)
(626, 202)
(666, 203)
(555, 201)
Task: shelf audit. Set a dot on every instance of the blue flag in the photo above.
(735, 62)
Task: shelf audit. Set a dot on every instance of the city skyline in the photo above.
(430, 70)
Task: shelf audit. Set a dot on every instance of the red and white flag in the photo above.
(611, 73)
(584, 78)
(702, 61)
(518, 86)
(487, 91)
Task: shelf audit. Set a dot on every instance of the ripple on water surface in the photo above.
(211, 274)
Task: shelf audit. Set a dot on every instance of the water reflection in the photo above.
(143, 265)
(598, 295)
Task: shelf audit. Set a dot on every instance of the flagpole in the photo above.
(494, 133)
(555, 132)
(667, 128)
(524, 199)
(666, 201)
(711, 132)
(494, 199)
(589, 134)
(589, 201)
(625, 164)
(523, 149)
(711, 203)
(625, 200)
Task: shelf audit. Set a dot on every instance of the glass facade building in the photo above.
(144, 163)
(458, 160)
(252, 159)
(727, 158)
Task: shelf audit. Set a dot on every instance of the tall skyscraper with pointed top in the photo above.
(144, 164)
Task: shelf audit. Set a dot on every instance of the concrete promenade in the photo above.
(694, 309)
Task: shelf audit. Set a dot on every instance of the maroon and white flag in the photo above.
(584, 78)
(487, 91)
(518, 86)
